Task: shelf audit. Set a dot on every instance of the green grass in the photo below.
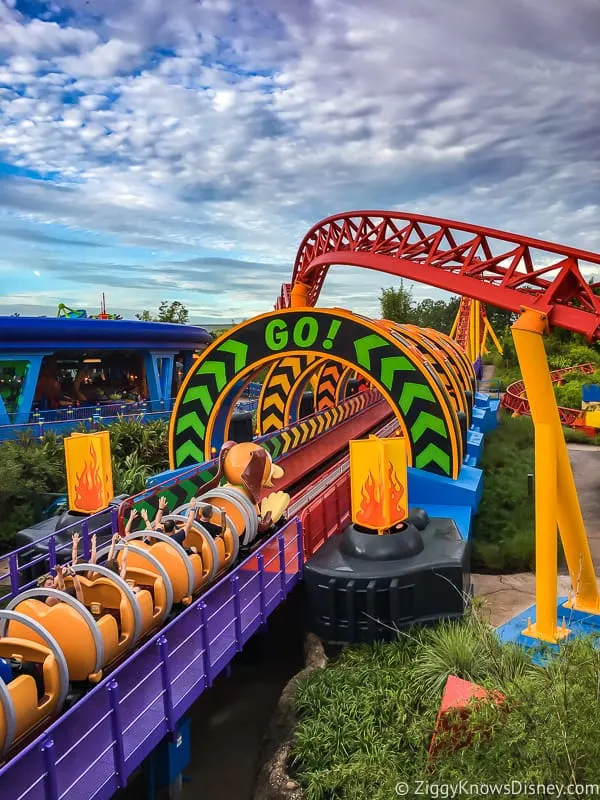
(365, 723)
(504, 527)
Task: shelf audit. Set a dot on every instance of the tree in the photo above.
(438, 314)
(167, 312)
(397, 304)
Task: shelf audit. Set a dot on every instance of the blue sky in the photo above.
(180, 150)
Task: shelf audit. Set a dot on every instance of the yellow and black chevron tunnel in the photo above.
(425, 411)
(277, 388)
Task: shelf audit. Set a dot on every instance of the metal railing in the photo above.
(19, 568)
(62, 420)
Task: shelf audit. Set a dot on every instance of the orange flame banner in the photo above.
(379, 479)
(89, 471)
(89, 486)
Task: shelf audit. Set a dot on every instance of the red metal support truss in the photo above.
(464, 317)
(502, 269)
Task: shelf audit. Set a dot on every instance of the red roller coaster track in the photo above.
(515, 398)
(502, 269)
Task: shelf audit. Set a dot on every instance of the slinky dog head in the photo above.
(249, 465)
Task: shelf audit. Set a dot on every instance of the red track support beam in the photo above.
(502, 269)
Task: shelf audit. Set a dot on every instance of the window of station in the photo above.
(12, 378)
(91, 379)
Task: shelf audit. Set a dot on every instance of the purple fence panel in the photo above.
(141, 700)
(25, 778)
(91, 750)
(250, 603)
(187, 660)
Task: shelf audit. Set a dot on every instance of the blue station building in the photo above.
(66, 366)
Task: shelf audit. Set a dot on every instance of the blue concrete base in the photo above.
(464, 491)
(579, 623)
(485, 412)
(460, 514)
(474, 448)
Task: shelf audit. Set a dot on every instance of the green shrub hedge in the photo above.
(365, 723)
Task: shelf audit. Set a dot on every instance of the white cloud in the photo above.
(104, 61)
(182, 128)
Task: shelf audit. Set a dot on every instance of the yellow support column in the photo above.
(477, 329)
(552, 458)
(470, 336)
(488, 329)
(546, 546)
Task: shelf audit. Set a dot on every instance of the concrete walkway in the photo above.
(585, 461)
(488, 383)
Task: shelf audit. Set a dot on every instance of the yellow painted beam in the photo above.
(488, 329)
(546, 547)
(527, 334)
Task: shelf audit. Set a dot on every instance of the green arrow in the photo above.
(426, 421)
(237, 349)
(410, 391)
(144, 504)
(189, 487)
(205, 476)
(433, 453)
(276, 442)
(201, 393)
(216, 368)
(191, 420)
(363, 347)
(189, 449)
(391, 365)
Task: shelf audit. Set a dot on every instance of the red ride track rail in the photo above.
(516, 401)
(502, 269)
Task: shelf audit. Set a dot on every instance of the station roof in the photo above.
(43, 334)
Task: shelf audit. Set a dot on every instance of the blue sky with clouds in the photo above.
(176, 149)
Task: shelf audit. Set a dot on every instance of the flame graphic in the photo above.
(372, 511)
(396, 495)
(88, 489)
(371, 507)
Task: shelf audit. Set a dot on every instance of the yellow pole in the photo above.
(546, 549)
(477, 320)
(455, 323)
(494, 338)
(471, 326)
(527, 334)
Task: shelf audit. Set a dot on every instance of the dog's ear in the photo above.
(252, 476)
(220, 469)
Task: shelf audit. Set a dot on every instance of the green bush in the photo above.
(564, 349)
(33, 470)
(504, 528)
(576, 436)
(365, 722)
(569, 395)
